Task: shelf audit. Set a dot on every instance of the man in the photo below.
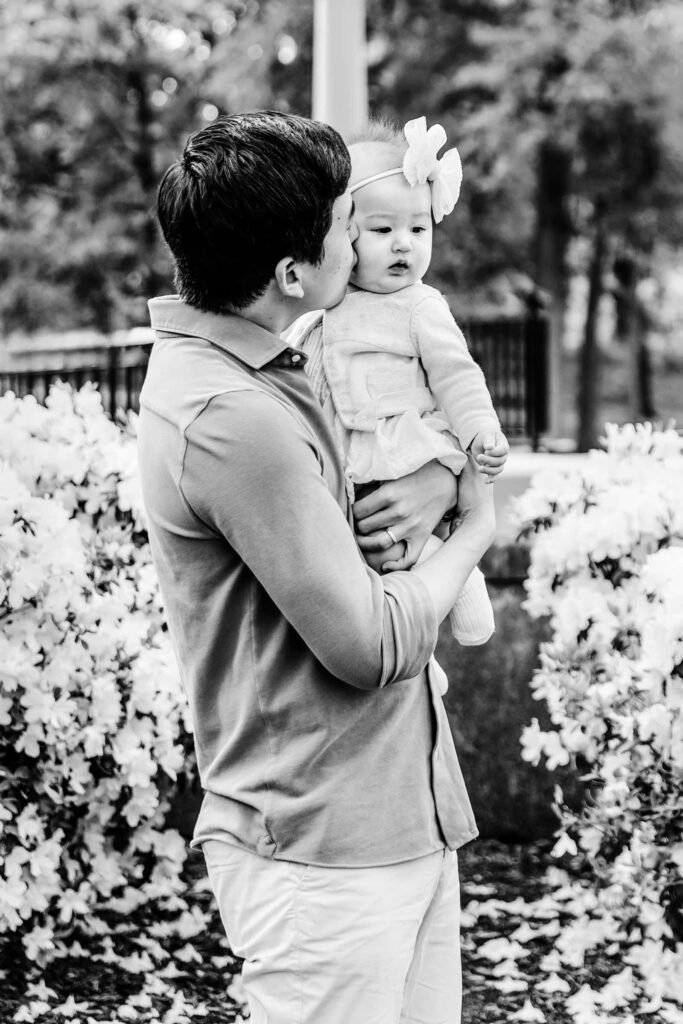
(334, 800)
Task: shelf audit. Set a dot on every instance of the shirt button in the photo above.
(295, 359)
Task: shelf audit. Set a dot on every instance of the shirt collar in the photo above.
(237, 336)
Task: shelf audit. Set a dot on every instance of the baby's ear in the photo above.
(289, 279)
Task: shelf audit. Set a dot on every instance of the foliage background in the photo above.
(568, 114)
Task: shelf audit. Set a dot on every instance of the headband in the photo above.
(421, 164)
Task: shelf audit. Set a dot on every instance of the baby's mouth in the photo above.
(399, 266)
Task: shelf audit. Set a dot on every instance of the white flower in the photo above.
(188, 954)
(39, 990)
(72, 902)
(565, 844)
(86, 607)
(529, 1014)
(29, 826)
(142, 805)
(619, 990)
(663, 642)
(607, 567)
(508, 985)
(70, 1008)
(582, 1005)
(552, 984)
(654, 723)
(37, 942)
(501, 949)
(12, 900)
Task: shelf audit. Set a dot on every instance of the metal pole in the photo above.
(340, 80)
(112, 378)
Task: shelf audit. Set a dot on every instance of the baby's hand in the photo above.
(490, 451)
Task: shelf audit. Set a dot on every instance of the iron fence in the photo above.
(514, 357)
(512, 353)
(118, 373)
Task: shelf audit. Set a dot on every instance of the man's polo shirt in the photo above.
(319, 736)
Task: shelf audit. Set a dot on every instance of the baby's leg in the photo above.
(471, 617)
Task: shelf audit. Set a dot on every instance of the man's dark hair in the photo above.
(249, 190)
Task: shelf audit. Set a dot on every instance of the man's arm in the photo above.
(253, 476)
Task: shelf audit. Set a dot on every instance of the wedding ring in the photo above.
(392, 538)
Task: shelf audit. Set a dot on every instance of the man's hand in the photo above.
(410, 508)
(490, 452)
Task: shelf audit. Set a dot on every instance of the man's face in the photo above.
(394, 243)
(325, 284)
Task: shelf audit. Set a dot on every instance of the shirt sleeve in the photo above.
(252, 474)
(454, 378)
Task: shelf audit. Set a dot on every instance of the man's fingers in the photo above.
(385, 518)
(382, 540)
(373, 502)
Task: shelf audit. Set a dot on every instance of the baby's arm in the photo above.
(458, 384)
(490, 451)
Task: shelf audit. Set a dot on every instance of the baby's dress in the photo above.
(406, 390)
(403, 383)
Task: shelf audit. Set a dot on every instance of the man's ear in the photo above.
(289, 278)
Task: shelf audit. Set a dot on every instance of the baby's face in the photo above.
(394, 244)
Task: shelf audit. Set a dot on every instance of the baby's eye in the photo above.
(418, 229)
(381, 231)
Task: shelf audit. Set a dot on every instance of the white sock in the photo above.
(471, 617)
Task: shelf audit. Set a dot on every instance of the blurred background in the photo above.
(568, 115)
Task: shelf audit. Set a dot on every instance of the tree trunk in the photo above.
(590, 362)
(632, 326)
(553, 233)
(646, 401)
(144, 152)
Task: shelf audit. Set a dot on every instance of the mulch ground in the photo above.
(195, 977)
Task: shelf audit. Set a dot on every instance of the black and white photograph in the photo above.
(341, 512)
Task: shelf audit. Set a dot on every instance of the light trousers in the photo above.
(342, 945)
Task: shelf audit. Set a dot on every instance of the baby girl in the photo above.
(404, 387)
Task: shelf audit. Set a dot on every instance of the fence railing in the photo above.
(118, 371)
(512, 353)
(515, 359)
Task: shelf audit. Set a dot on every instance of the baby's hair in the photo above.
(378, 147)
(380, 129)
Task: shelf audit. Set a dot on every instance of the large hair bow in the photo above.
(421, 164)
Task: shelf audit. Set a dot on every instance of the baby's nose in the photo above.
(402, 240)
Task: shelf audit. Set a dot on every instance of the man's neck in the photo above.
(272, 312)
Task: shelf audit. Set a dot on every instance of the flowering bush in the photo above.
(94, 725)
(607, 568)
